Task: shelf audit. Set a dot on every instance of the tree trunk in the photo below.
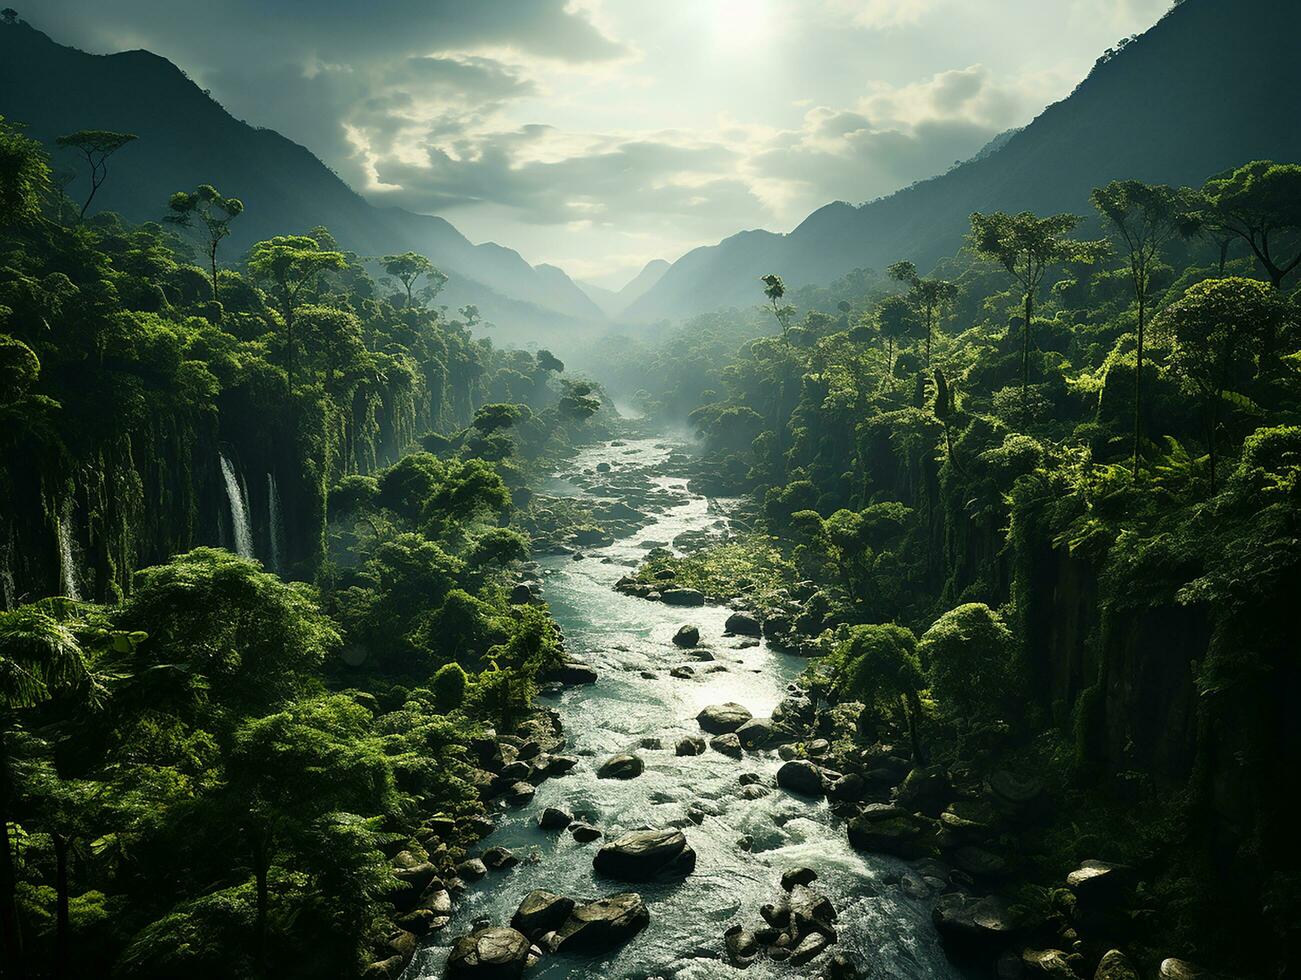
(61, 928)
(260, 871)
(1210, 436)
(10, 934)
(212, 258)
(1025, 361)
(912, 708)
(1224, 255)
(1138, 383)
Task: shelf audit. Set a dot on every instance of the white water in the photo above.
(276, 529)
(68, 573)
(238, 510)
(882, 929)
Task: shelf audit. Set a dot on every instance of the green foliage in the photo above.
(449, 685)
(970, 657)
(24, 176)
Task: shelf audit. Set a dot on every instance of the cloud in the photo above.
(879, 15)
(333, 31)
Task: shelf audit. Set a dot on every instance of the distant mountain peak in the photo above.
(186, 138)
(1202, 91)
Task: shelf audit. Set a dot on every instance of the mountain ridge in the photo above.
(1180, 103)
(188, 138)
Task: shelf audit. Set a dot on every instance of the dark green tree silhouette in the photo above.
(1260, 203)
(1143, 218)
(929, 297)
(214, 210)
(95, 147)
(1027, 246)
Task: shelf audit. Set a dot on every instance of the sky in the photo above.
(597, 135)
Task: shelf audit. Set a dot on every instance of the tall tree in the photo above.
(1027, 245)
(774, 289)
(1142, 219)
(214, 210)
(928, 295)
(897, 320)
(408, 267)
(40, 659)
(95, 146)
(1260, 203)
(1220, 328)
(288, 265)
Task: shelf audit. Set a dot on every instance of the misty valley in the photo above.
(902, 595)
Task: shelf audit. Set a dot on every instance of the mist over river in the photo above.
(879, 926)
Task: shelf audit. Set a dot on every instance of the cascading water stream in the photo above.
(67, 560)
(238, 510)
(275, 526)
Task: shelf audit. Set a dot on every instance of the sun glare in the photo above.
(738, 24)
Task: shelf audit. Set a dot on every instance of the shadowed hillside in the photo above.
(186, 138)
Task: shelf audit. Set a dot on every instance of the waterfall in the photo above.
(67, 561)
(238, 510)
(274, 524)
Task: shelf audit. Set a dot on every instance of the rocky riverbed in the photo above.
(671, 834)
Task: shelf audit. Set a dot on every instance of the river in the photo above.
(879, 926)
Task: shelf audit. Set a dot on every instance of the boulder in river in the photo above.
(742, 623)
(471, 869)
(570, 672)
(541, 911)
(687, 636)
(691, 745)
(585, 833)
(755, 733)
(798, 876)
(682, 597)
(494, 953)
(603, 924)
(801, 776)
(623, 766)
(645, 854)
(554, 818)
(718, 719)
(728, 744)
(499, 859)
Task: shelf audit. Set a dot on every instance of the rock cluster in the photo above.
(546, 923)
(799, 926)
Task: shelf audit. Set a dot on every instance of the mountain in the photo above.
(613, 302)
(1209, 87)
(186, 138)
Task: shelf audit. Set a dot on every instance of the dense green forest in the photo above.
(209, 756)
(1037, 512)
(1000, 539)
